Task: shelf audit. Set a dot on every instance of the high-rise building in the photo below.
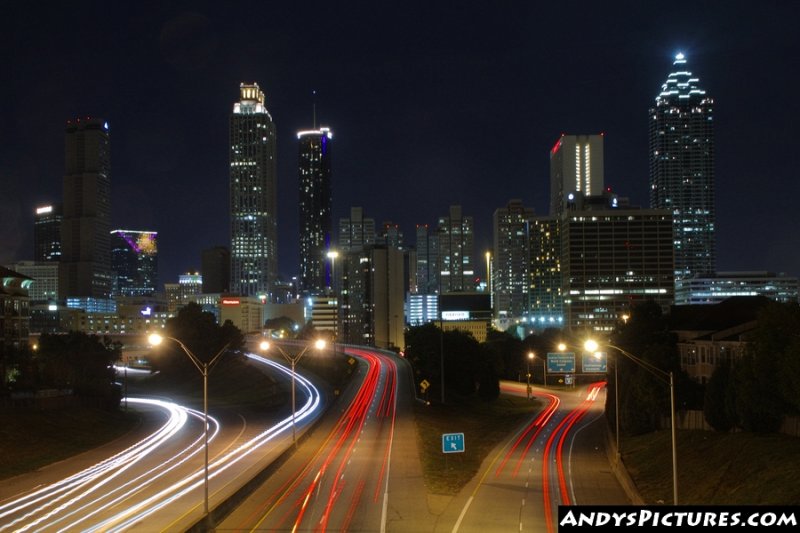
(85, 231)
(427, 261)
(682, 167)
(546, 297)
(612, 259)
(314, 165)
(456, 252)
(511, 263)
(714, 288)
(253, 203)
(356, 231)
(390, 235)
(216, 269)
(576, 166)
(134, 261)
(371, 297)
(44, 275)
(179, 294)
(47, 233)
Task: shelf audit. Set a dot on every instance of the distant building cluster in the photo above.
(581, 266)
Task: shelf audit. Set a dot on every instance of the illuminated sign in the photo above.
(147, 311)
(45, 209)
(455, 315)
(560, 362)
(230, 301)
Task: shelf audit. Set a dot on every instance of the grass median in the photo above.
(716, 468)
(483, 424)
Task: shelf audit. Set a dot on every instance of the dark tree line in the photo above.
(73, 361)
(469, 368)
(758, 390)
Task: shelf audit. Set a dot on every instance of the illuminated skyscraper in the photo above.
(85, 231)
(253, 204)
(314, 165)
(576, 166)
(456, 252)
(511, 263)
(134, 260)
(682, 168)
(47, 233)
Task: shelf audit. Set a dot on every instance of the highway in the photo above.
(357, 469)
(556, 457)
(156, 482)
(340, 478)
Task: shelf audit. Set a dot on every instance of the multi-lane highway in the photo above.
(543, 464)
(157, 482)
(357, 470)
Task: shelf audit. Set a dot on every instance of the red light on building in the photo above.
(230, 301)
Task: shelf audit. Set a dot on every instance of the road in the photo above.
(156, 482)
(557, 457)
(339, 479)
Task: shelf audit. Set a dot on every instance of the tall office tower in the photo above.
(134, 261)
(612, 259)
(371, 300)
(314, 166)
(253, 203)
(511, 265)
(390, 235)
(86, 229)
(357, 231)
(427, 261)
(546, 295)
(576, 166)
(456, 252)
(216, 269)
(47, 233)
(682, 168)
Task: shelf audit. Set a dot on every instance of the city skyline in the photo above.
(446, 116)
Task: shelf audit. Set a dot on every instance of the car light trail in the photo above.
(83, 501)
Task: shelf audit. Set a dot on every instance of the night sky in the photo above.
(430, 106)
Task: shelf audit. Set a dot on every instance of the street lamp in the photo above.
(591, 346)
(155, 339)
(319, 344)
(332, 255)
(531, 355)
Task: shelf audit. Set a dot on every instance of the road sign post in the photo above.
(452, 443)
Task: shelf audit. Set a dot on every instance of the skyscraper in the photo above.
(216, 269)
(456, 252)
(357, 231)
(253, 204)
(47, 233)
(314, 164)
(134, 260)
(682, 168)
(85, 231)
(576, 166)
(512, 260)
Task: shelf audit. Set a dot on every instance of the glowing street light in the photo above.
(155, 339)
(319, 344)
(592, 346)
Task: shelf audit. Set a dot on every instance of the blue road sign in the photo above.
(595, 363)
(560, 362)
(452, 442)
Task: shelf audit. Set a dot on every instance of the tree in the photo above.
(78, 361)
(282, 323)
(719, 402)
(198, 330)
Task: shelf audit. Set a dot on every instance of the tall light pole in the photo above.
(319, 344)
(531, 355)
(332, 255)
(591, 346)
(155, 339)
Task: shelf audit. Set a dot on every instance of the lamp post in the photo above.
(155, 339)
(531, 355)
(332, 255)
(591, 346)
(319, 344)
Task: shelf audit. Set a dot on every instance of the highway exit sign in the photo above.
(452, 443)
